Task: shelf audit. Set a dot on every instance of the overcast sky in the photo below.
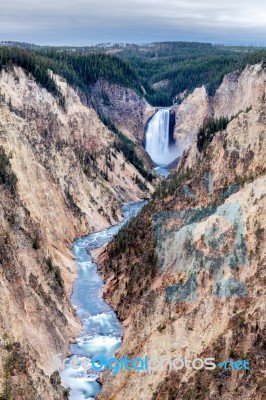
(81, 22)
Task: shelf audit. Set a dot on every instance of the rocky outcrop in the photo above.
(189, 282)
(127, 110)
(61, 177)
(239, 91)
(161, 84)
(190, 115)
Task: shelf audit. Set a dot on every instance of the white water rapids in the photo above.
(101, 335)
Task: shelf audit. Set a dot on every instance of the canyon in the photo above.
(187, 276)
(66, 176)
(70, 179)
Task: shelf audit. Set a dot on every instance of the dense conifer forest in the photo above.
(183, 66)
(79, 70)
(160, 70)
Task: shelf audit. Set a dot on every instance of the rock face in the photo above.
(190, 280)
(161, 84)
(123, 107)
(190, 115)
(71, 179)
(238, 91)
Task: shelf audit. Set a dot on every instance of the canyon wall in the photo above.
(238, 91)
(127, 110)
(62, 176)
(187, 276)
(190, 115)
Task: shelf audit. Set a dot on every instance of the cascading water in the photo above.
(102, 331)
(157, 139)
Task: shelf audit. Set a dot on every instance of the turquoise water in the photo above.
(102, 331)
(162, 171)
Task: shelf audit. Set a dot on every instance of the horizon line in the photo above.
(139, 44)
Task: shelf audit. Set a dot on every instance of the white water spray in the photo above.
(157, 139)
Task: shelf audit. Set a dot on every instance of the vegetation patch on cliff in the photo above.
(7, 176)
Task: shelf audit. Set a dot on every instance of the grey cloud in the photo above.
(86, 21)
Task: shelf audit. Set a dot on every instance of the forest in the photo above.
(183, 66)
(160, 71)
(81, 71)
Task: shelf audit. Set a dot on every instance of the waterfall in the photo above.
(157, 139)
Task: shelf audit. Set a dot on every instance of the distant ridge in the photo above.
(22, 45)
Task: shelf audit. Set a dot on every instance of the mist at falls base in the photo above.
(157, 139)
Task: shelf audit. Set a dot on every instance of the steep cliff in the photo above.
(62, 174)
(190, 115)
(238, 91)
(187, 276)
(127, 110)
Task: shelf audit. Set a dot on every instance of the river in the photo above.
(102, 331)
